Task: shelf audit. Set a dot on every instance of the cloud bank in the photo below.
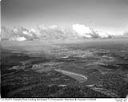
(42, 32)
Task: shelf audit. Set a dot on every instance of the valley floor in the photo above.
(89, 69)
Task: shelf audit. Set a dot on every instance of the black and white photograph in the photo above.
(64, 49)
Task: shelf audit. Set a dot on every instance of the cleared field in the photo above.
(81, 78)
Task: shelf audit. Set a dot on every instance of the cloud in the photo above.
(102, 34)
(18, 39)
(15, 30)
(32, 30)
(81, 30)
(21, 39)
(25, 32)
(53, 27)
(42, 27)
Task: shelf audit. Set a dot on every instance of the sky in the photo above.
(109, 15)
